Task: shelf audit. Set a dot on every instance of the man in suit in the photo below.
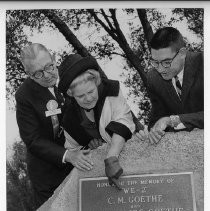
(39, 109)
(175, 86)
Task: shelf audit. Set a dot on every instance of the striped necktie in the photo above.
(57, 118)
(178, 86)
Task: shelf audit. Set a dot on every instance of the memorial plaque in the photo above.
(152, 192)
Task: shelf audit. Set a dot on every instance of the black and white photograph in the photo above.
(105, 106)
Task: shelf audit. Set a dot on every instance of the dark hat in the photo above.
(72, 66)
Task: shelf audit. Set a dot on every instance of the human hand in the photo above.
(95, 143)
(142, 135)
(113, 170)
(155, 136)
(162, 124)
(80, 159)
(158, 130)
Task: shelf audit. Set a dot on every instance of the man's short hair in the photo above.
(30, 53)
(167, 37)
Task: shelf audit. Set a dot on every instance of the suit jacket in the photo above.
(165, 101)
(44, 152)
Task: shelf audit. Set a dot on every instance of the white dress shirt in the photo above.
(180, 77)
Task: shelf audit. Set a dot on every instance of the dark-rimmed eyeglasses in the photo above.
(165, 63)
(39, 74)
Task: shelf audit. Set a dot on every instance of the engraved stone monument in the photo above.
(158, 192)
(164, 165)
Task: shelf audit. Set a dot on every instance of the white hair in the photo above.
(29, 53)
(88, 75)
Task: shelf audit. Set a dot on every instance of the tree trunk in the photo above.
(146, 25)
(67, 33)
(132, 57)
(119, 37)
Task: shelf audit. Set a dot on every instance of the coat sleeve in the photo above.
(121, 118)
(193, 120)
(29, 129)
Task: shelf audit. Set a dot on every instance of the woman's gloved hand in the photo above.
(113, 170)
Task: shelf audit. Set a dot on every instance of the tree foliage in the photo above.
(103, 35)
(194, 17)
(19, 191)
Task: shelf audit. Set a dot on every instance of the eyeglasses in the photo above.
(164, 63)
(39, 74)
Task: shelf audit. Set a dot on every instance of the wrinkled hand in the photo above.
(142, 135)
(155, 136)
(113, 170)
(95, 143)
(158, 130)
(80, 159)
(162, 124)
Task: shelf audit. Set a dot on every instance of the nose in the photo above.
(160, 68)
(88, 98)
(46, 74)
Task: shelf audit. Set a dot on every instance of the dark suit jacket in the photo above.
(44, 153)
(165, 101)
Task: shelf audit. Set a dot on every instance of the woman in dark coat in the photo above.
(98, 113)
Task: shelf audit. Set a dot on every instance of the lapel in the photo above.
(42, 95)
(188, 77)
(102, 91)
(173, 97)
(105, 89)
(41, 92)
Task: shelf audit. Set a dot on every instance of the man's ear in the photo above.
(54, 57)
(31, 77)
(28, 74)
(69, 93)
(183, 51)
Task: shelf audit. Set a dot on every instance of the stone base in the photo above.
(176, 152)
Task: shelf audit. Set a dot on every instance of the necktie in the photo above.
(57, 118)
(178, 86)
(58, 96)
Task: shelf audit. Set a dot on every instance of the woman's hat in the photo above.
(72, 66)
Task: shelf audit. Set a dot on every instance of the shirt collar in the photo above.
(56, 84)
(180, 75)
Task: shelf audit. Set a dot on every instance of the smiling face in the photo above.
(167, 54)
(86, 94)
(43, 60)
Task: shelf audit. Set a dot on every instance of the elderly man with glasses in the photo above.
(175, 85)
(39, 109)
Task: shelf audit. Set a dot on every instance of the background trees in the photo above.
(19, 191)
(120, 35)
(102, 33)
